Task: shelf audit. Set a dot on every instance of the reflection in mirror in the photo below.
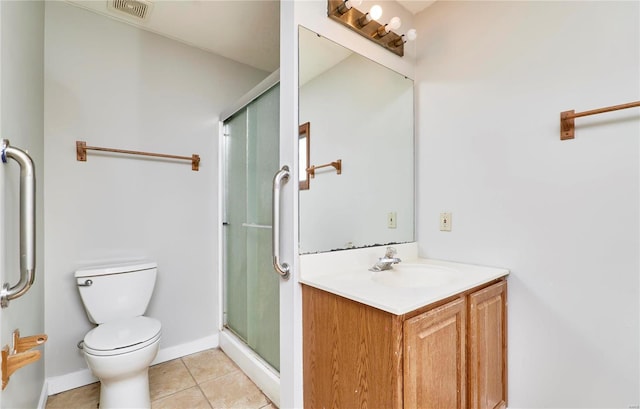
(304, 148)
(362, 113)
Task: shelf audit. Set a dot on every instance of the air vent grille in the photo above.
(136, 8)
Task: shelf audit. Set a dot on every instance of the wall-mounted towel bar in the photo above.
(82, 148)
(27, 224)
(337, 165)
(567, 126)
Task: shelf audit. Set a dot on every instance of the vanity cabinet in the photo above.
(487, 347)
(451, 354)
(434, 373)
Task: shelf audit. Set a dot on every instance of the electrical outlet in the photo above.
(392, 220)
(445, 221)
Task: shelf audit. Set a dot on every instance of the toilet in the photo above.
(120, 349)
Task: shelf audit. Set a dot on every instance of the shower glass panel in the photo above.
(251, 284)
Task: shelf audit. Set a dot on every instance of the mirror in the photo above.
(361, 192)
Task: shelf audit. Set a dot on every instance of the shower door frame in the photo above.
(254, 366)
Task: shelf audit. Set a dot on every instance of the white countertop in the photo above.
(346, 273)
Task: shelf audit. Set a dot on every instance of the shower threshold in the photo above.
(260, 372)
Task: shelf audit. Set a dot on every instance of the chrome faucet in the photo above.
(386, 262)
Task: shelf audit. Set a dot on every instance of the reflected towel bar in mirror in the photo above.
(82, 148)
(337, 165)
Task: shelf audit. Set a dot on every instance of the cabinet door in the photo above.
(434, 358)
(488, 347)
(351, 357)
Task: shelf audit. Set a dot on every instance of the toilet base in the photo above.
(132, 392)
(124, 378)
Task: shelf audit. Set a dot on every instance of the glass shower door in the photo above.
(251, 283)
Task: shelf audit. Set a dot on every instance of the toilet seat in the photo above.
(122, 336)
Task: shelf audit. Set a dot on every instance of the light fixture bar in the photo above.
(391, 41)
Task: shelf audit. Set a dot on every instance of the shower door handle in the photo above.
(281, 176)
(27, 224)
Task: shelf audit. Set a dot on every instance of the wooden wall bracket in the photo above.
(567, 125)
(19, 355)
(21, 344)
(567, 118)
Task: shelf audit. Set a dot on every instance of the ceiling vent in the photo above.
(139, 9)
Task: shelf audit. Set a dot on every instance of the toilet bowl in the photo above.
(120, 349)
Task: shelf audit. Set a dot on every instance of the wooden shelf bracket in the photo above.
(20, 355)
(567, 118)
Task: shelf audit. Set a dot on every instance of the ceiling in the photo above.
(416, 6)
(246, 31)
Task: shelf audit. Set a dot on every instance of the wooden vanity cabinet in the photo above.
(352, 353)
(451, 354)
(487, 347)
(435, 358)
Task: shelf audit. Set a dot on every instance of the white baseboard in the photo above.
(44, 394)
(57, 384)
(188, 348)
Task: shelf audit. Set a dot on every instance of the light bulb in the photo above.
(347, 5)
(412, 34)
(394, 23)
(375, 12)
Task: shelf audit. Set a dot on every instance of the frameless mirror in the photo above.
(360, 191)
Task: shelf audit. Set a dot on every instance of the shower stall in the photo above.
(250, 158)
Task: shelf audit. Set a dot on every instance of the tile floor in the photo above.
(205, 380)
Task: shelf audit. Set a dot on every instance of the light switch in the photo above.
(445, 221)
(392, 220)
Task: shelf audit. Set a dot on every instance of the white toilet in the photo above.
(123, 345)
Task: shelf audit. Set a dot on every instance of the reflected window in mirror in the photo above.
(304, 147)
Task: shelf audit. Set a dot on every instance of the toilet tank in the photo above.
(116, 291)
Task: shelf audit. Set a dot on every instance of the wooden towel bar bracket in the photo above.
(567, 123)
(82, 148)
(20, 355)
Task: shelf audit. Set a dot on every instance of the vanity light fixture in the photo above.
(346, 6)
(374, 14)
(346, 13)
(410, 36)
(393, 24)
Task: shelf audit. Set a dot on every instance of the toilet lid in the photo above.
(122, 333)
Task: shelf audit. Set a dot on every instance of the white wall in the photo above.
(492, 79)
(113, 85)
(21, 122)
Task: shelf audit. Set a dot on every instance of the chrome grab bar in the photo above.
(27, 223)
(281, 176)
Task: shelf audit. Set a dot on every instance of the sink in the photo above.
(415, 275)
